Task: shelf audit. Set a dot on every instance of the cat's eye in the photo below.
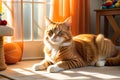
(50, 33)
(60, 33)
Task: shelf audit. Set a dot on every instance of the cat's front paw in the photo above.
(37, 67)
(54, 68)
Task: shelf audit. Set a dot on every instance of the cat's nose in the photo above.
(54, 36)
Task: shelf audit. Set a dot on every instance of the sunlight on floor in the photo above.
(28, 71)
(99, 75)
(23, 71)
(84, 74)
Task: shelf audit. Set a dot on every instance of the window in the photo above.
(27, 19)
(29, 14)
(33, 14)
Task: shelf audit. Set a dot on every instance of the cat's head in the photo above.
(58, 32)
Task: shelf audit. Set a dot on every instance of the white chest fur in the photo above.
(53, 55)
(54, 49)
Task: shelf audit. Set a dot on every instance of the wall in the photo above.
(33, 50)
(94, 4)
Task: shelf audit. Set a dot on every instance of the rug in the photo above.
(23, 71)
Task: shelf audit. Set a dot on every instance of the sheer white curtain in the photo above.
(27, 19)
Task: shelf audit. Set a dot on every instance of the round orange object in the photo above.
(12, 52)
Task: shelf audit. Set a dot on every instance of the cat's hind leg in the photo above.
(113, 61)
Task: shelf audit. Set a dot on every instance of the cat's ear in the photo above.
(68, 22)
(47, 21)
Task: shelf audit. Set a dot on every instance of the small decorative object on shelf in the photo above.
(117, 4)
(110, 4)
(0, 10)
(2, 22)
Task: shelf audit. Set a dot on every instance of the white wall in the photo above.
(94, 4)
(33, 50)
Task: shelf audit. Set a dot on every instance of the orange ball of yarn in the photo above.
(12, 52)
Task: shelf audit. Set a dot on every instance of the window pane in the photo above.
(39, 13)
(48, 9)
(48, 0)
(27, 12)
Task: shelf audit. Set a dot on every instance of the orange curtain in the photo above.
(78, 9)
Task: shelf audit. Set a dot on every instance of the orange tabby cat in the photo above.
(62, 51)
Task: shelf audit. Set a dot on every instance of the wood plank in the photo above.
(115, 28)
(113, 23)
(3, 78)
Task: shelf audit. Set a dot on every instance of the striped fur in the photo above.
(63, 51)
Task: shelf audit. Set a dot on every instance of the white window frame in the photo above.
(33, 49)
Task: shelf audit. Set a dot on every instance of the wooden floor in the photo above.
(23, 71)
(3, 78)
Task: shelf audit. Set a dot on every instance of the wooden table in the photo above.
(108, 18)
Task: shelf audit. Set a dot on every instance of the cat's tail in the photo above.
(100, 40)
